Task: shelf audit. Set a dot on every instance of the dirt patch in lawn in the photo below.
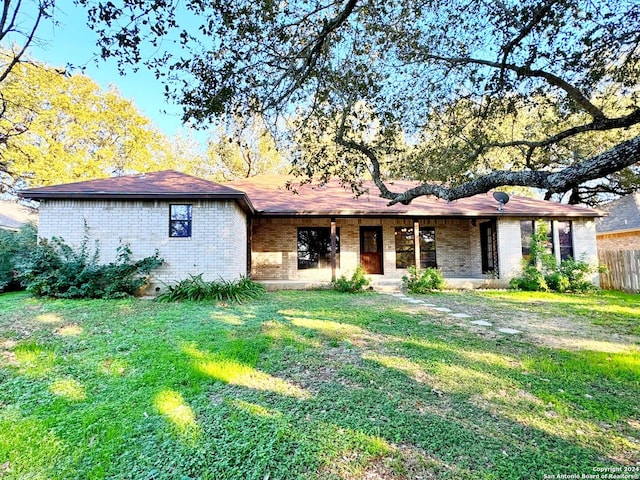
(538, 322)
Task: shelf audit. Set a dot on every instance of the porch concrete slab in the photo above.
(510, 331)
(442, 309)
(482, 323)
(460, 315)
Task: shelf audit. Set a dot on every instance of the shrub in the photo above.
(532, 280)
(423, 281)
(195, 288)
(54, 269)
(14, 248)
(355, 284)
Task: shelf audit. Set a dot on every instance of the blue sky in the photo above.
(72, 42)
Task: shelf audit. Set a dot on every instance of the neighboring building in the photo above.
(13, 215)
(620, 229)
(292, 239)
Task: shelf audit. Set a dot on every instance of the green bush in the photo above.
(195, 288)
(423, 281)
(14, 248)
(532, 280)
(355, 284)
(557, 282)
(541, 272)
(54, 269)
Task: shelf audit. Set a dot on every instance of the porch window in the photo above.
(405, 247)
(565, 238)
(180, 220)
(528, 228)
(314, 247)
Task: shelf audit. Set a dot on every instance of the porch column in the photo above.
(333, 249)
(416, 243)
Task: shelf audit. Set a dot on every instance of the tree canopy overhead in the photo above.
(464, 95)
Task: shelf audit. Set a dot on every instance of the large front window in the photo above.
(564, 246)
(405, 247)
(180, 220)
(314, 247)
(565, 238)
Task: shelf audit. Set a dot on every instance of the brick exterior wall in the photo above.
(619, 241)
(510, 247)
(274, 247)
(217, 247)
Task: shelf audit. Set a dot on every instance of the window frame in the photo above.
(187, 223)
(562, 248)
(427, 248)
(323, 258)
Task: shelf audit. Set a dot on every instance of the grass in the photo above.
(318, 385)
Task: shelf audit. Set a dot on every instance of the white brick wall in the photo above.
(509, 248)
(217, 247)
(584, 244)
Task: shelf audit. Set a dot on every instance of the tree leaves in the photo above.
(412, 63)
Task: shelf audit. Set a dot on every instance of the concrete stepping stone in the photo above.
(482, 323)
(510, 331)
(442, 309)
(460, 315)
(414, 300)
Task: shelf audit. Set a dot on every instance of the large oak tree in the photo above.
(19, 23)
(74, 130)
(464, 95)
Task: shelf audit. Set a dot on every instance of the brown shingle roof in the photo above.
(270, 197)
(165, 184)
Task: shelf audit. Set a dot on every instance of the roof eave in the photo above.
(241, 198)
(474, 214)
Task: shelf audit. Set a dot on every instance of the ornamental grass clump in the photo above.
(195, 288)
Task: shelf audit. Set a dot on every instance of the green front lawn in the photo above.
(319, 385)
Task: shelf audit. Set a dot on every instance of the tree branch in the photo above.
(366, 151)
(525, 71)
(536, 18)
(611, 161)
(312, 51)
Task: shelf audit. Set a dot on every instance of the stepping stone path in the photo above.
(481, 323)
(510, 331)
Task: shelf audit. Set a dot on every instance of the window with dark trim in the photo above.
(314, 247)
(405, 247)
(565, 238)
(528, 228)
(180, 220)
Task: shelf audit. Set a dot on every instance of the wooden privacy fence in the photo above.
(624, 270)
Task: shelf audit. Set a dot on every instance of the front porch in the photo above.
(382, 284)
(301, 252)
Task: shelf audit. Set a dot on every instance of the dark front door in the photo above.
(487, 245)
(371, 249)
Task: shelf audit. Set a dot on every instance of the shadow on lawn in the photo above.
(476, 414)
(280, 390)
